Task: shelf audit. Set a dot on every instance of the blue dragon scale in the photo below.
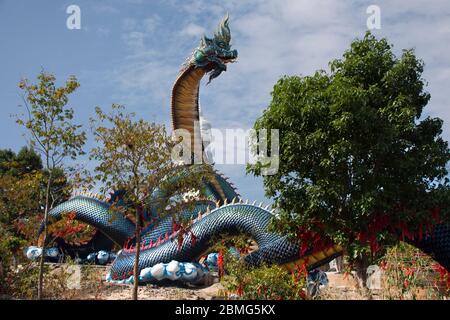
(219, 210)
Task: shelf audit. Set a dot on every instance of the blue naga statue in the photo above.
(220, 210)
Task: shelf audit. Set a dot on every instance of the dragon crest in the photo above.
(214, 53)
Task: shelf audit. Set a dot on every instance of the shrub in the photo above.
(263, 283)
(411, 274)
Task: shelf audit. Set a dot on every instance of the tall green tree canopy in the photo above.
(359, 162)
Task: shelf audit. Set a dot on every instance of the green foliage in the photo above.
(355, 155)
(19, 207)
(26, 161)
(7, 156)
(22, 196)
(247, 282)
(262, 283)
(49, 120)
(19, 197)
(22, 190)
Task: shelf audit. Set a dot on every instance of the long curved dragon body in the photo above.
(221, 209)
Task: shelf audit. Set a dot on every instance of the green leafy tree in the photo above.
(26, 161)
(7, 157)
(22, 190)
(19, 205)
(49, 122)
(359, 165)
(135, 156)
(20, 195)
(22, 186)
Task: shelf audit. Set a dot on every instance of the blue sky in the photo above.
(130, 51)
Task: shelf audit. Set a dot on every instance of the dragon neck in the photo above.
(186, 115)
(185, 107)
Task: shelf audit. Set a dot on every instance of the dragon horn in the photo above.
(223, 30)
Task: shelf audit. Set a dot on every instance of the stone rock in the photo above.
(373, 277)
(74, 278)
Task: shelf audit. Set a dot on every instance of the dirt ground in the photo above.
(154, 292)
(94, 287)
(340, 287)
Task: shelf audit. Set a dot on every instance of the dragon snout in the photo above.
(230, 56)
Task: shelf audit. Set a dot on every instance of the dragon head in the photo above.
(214, 53)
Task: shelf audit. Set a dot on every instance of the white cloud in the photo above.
(134, 40)
(103, 31)
(103, 8)
(192, 30)
(151, 23)
(129, 24)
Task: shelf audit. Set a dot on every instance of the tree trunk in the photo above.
(340, 264)
(138, 251)
(361, 265)
(41, 261)
(14, 260)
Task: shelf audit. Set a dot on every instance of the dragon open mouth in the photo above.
(229, 60)
(229, 56)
